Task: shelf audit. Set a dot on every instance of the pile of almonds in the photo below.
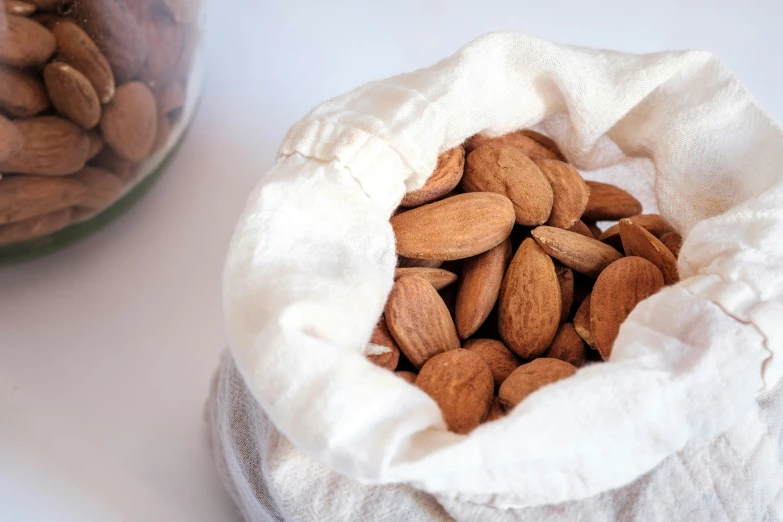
(505, 283)
(89, 89)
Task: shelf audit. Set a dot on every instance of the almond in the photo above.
(577, 252)
(72, 94)
(617, 291)
(11, 139)
(444, 178)
(500, 360)
(76, 48)
(580, 228)
(454, 228)
(570, 192)
(506, 170)
(546, 141)
(34, 227)
(24, 42)
(527, 145)
(130, 120)
(582, 322)
(672, 241)
(435, 276)
(461, 384)
(609, 203)
(382, 337)
(96, 144)
(126, 170)
(495, 410)
(565, 277)
(406, 262)
(52, 146)
(408, 377)
(164, 41)
(25, 197)
(529, 304)
(103, 187)
(21, 95)
(419, 321)
(639, 242)
(567, 346)
(653, 223)
(478, 291)
(15, 7)
(531, 377)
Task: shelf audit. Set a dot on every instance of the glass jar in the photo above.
(95, 97)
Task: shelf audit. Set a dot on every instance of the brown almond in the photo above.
(24, 42)
(580, 228)
(655, 224)
(34, 227)
(577, 252)
(15, 7)
(76, 48)
(164, 41)
(546, 141)
(500, 360)
(582, 322)
(567, 346)
(25, 197)
(531, 377)
(529, 303)
(103, 187)
(130, 121)
(617, 291)
(21, 95)
(672, 241)
(126, 170)
(506, 170)
(639, 242)
(461, 384)
(406, 262)
(11, 139)
(53, 146)
(170, 97)
(565, 277)
(527, 145)
(569, 190)
(495, 410)
(96, 144)
(381, 337)
(419, 321)
(478, 291)
(454, 228)
(610, 203)
(443, 179)
(72, 94)
(406, 376)
(437, 277)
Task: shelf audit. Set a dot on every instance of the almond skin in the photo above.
(653, 223)
(11, 139)
(96, 144)
(610, 203)
(382, 337)
(570, 192)
(495, 410)
(130, 121)
(567, 346)
(443, 179)
(52, 146)
(530, 377)
(72, 94)
(419, 321)
(406, 376)
(546, 141)
(103, 187)
(478, 291)
(506, 170)
(577, 252)
(458, 227)
(461, 384)
(437, 277)
(639, 242)
(24, 42)
(617, 291)
(518, 139)
(529, 304)
(582, 322)
(580, 228)
(672, 241)
(500, 360)
(21, 95)
(565, 277)
(35, 227)
(25, 197)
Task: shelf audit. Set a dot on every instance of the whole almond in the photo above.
(653, 223)
(546, 141)
(617, 291)
(437, 277)
(419, 321)
(103, 187)
(52, 146)
(15, 7)
(24, 42)
(531, 377)
(461, 384)
(639, 242)
(76, 48)
(96, 144)
(406, 376)
(130, 120)
(454, 228)
(567, 346)
(506, 170)
(72, 94)
(25, 197)
(478, 291)
(580, 228)
(11, 139)
(381, 337)
(21, 95)
(164, 41)
(577, 252)
(35, 227)
(518, 139)
(570, 192)
(565, 277)
(500, 360)
(495, 410)
(407, 262)
(529, 303)
(582, 322)
(672, 241)
(609, 203)
(443, 179)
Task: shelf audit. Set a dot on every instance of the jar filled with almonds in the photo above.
(95, 95)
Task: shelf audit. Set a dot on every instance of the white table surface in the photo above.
(107, 347)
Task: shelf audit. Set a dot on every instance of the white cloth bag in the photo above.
(312, 260)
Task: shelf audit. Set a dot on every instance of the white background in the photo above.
(107, 347)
